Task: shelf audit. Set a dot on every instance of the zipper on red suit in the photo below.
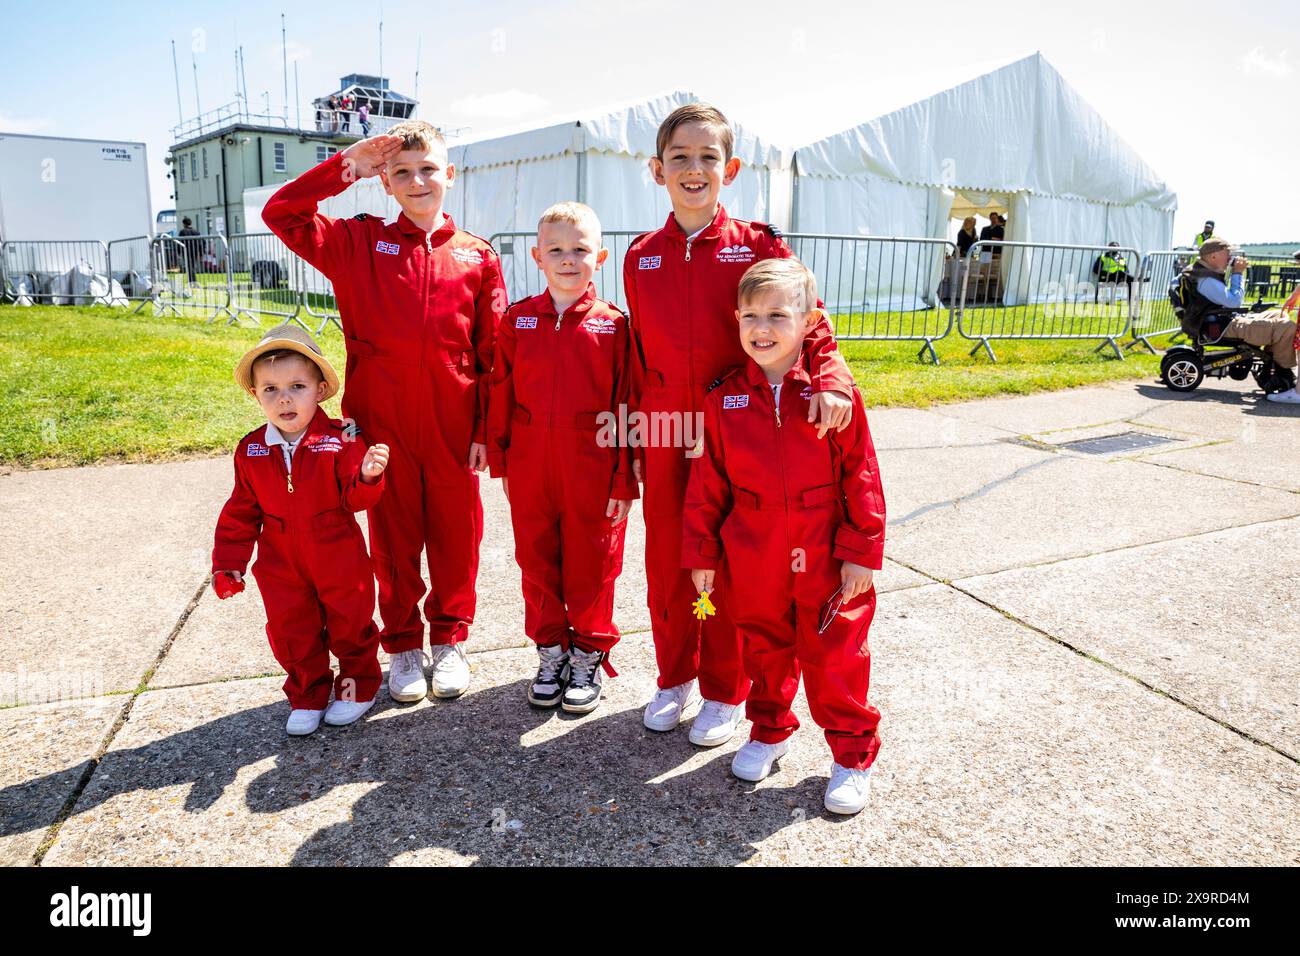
(780, 454)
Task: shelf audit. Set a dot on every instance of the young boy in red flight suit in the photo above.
(298, 478)
(764, 489)
(419, 301)
(681, 291)
(561, 373)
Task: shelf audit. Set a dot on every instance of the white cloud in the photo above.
(28, 125)
(506, 105)
(1259, 63)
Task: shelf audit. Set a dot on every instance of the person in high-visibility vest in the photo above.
(1206, 233)
(1111, 267)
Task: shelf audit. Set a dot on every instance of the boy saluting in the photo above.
(419, 301)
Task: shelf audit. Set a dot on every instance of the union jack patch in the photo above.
(649, 262)
(391, 248)
(735, 401)
(257, 450)
(526, 322)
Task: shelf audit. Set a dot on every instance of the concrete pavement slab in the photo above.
(104, 561)
(914, 428)
(1235, 410)
(992, 754)
(1072, 506)
(1047, 411)
(1208, 619)
(1273, 462)
(46, 748)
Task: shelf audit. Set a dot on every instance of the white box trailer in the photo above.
(62, 201)
(52, 188)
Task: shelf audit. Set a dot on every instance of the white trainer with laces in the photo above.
(450, 670)
(754, 760)
(303, 722)
(716, 723)
(406, 681)
(669, 705)
(340, 713)
(848, 789)
(1289, 397)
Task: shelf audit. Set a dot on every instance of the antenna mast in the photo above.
(180, 112)
(284, 54)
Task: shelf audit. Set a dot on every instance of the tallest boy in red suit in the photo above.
(681, 283)
(419, 301)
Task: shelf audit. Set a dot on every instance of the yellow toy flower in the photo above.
(703, 607)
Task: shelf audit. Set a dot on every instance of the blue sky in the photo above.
(795, 71)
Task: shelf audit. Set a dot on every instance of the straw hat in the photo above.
(294, 339)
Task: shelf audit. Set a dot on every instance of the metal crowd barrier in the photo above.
(191, 275)
(1026, 290)
(263, 278)
(879, 289)
(875, 288)
(317, 293)
(1155, 313)
(57, 271)
(130, 265)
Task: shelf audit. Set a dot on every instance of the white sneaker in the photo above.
(753, 761)
(450, 670)
(665, 711)
(302, 722)
(406, 676)
(1289, 397)
(715, 724)
(848, 790)
(340, 713)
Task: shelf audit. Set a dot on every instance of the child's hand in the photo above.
(478, 456)
(702, 579)
(830, 410)
(856, 580)
(636, 470)
(227, 583)
(373, 465)
(618, 509)
(367, 157)
(505, 487)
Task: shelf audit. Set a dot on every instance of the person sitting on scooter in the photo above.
(1207, 291)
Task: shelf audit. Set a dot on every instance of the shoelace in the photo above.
(714, 709)
(410, 662)
(582, 665)
(549, 670)
(841, 775)
(445, 651)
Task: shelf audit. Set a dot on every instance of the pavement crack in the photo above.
(1114, 668)
(977, 493)
(70, 804)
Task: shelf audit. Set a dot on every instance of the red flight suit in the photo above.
(553, 378)
(787, 508)
(419, 317)
(682, 301)
(312, 567)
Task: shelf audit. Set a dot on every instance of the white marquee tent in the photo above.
(505, 182)
(1019, 138)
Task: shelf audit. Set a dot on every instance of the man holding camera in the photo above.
(1270, 330)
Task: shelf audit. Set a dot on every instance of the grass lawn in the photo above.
(82, 385)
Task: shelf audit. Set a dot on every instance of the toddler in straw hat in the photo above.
(298, 479)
